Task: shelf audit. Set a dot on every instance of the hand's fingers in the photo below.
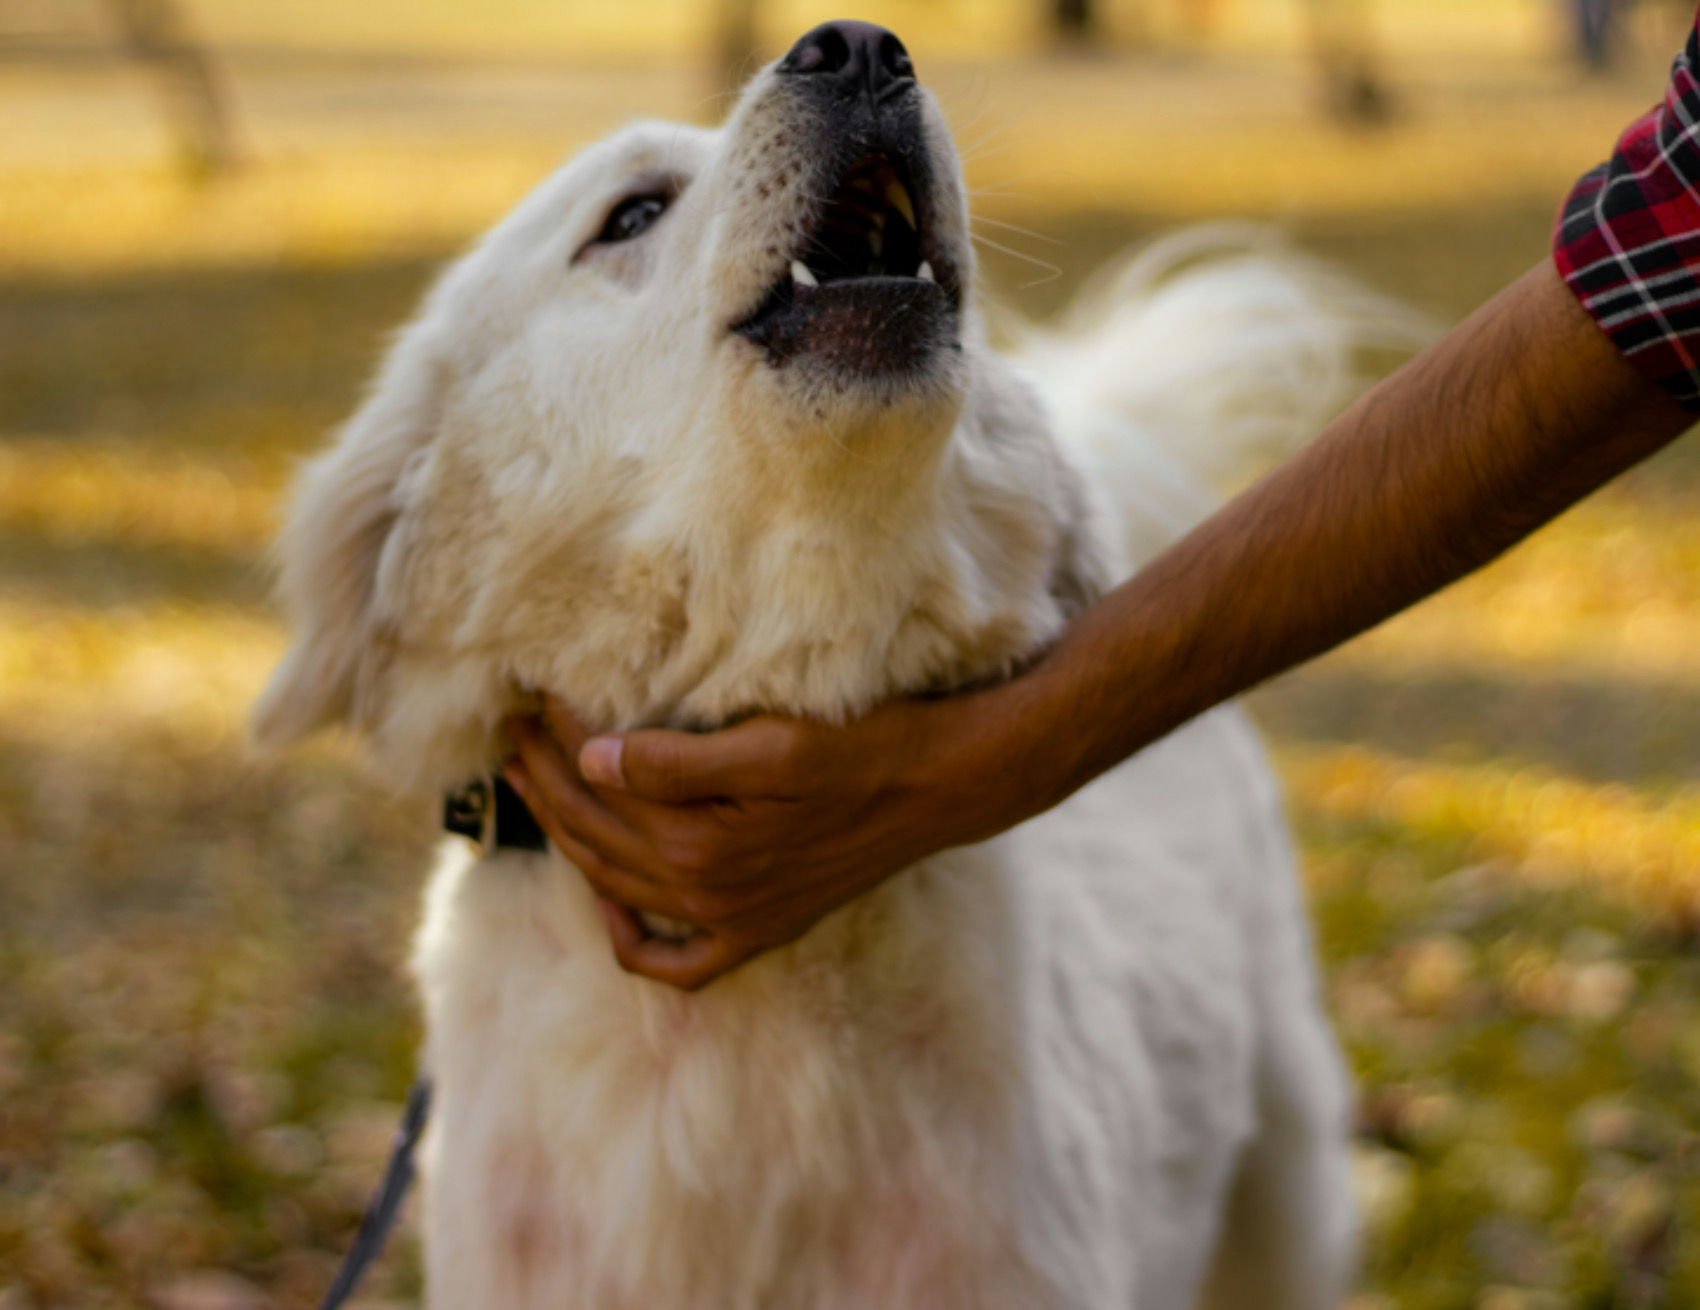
(693, 841)
(622, 888)
(610, 882)
(563, 734)
(754, 758)
(564, 726)
(669, 848)
(552, 791)
(687, 965)
(581, 855)
(624, 930)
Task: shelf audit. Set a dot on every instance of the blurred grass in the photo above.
(205, 1028)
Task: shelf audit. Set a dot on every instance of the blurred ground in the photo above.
(205, 1027)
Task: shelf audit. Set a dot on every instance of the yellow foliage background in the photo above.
(204, 1027)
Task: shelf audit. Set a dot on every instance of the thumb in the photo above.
(677, 767)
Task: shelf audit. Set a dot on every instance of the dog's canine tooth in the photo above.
(801, 276)
(898, 199)
(925, 272)
(876, 243)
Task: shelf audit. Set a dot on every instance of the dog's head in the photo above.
(845, 234)
(706, 425)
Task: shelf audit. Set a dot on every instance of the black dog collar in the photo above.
(491, 813)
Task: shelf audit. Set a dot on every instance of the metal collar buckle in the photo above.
(491, 813)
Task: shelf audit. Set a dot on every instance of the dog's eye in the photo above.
(633, 217)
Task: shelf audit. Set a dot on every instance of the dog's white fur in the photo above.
(1079, 1066)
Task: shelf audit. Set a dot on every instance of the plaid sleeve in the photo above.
(1628, 238)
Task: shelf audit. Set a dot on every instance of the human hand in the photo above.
(750, 834)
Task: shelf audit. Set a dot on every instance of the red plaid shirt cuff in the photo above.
(1628, 238)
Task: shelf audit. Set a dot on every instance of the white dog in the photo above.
(709, 425)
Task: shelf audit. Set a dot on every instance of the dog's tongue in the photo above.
(865, 326)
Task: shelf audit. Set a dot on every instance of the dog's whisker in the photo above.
(958, 130)
(713, 98)
(846, 449)
(981, 239)
(968, 149)
(1021, 231)
(1003, 185)
(979, 155)
(740, 75)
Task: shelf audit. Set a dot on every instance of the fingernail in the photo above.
(599, 761)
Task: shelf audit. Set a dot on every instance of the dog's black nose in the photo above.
(852, 54)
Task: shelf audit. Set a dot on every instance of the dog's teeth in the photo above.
(925, 272)
(898, 199)
(876, 243)
(800, 274)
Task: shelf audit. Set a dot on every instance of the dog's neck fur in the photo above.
(881, 559)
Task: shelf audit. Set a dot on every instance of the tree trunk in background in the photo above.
(1593, 30)
(1078, 24)
(1072, 20)
(1344, 49)
(155, 32)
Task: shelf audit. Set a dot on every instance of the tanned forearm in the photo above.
(1514, 416)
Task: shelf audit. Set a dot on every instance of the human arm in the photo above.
(755, 832)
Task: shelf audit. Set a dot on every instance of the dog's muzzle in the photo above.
(868, 288)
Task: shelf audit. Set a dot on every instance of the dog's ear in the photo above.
(1083, 569)
(1009, 415)
(328, 554)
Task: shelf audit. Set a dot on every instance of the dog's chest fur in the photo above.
(833, 1125)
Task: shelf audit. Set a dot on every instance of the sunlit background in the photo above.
(212, 212)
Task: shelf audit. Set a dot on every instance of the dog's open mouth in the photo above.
(866, 290)
(869, 228)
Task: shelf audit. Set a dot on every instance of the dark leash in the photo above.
(492, 814)
(385, 1205)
